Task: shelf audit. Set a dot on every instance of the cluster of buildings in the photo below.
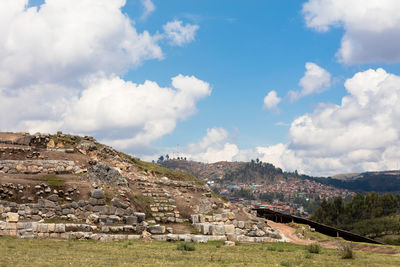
(292, 195)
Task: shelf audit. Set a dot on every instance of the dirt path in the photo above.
(290, 233)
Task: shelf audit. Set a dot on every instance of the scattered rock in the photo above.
(145, 236)
(53, 198)
(103, 172)
(229, 243)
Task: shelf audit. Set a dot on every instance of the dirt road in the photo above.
(290, 233)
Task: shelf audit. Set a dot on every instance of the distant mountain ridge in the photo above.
(382, 182)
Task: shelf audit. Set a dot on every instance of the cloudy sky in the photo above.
(312, 85)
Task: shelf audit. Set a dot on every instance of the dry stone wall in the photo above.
(38, 166)
(94, 210)
(226, 224)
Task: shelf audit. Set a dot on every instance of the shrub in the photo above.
(185, 246)
(314, 248)
(346, 252)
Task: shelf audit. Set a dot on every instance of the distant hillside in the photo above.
(266, 173)
(382, 182)
(238, 172)
(204, 171)
(371, 215)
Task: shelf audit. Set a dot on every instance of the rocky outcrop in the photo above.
(104, 173)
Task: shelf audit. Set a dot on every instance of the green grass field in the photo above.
(41, 252)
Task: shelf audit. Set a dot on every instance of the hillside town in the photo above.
(292, 195)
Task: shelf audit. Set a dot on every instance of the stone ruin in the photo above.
(46, 211)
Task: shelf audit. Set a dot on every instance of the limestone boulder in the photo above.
(140, 216)
(217, 229)
(12, 217)
(229, 243)
(97, 193)
(156, 229)
(229, 229)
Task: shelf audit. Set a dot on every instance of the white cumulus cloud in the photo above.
(314, 81)
(180, 34)
(271, 100)
(360, 134)
(148, 7)
(65, 41)
(132, 114)
(213, 147)
(61, 66)
(371, 27)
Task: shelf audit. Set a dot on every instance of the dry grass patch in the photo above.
(40, 252)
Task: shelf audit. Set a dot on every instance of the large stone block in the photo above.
(60, 228)
(97, 193)
(117, 203)
(202, 219)
(217, 217)
(205, 228)
(275, 235)
(156, 229)
(246, 239)
(140, 216)
(194, 218)
(112, 219)
(51, 227)
(229, 229)
(131, 220)
(197, 226)
(217, 229)
(12, 217)
(43, 228)
(199, 239)
(67, 211)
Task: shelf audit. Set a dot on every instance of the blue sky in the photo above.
(87, 62)
(243, 51)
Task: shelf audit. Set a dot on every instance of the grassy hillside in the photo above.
(225, 172)
(39, 252)
(371, 215)
(259, 172)
(381, 182)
